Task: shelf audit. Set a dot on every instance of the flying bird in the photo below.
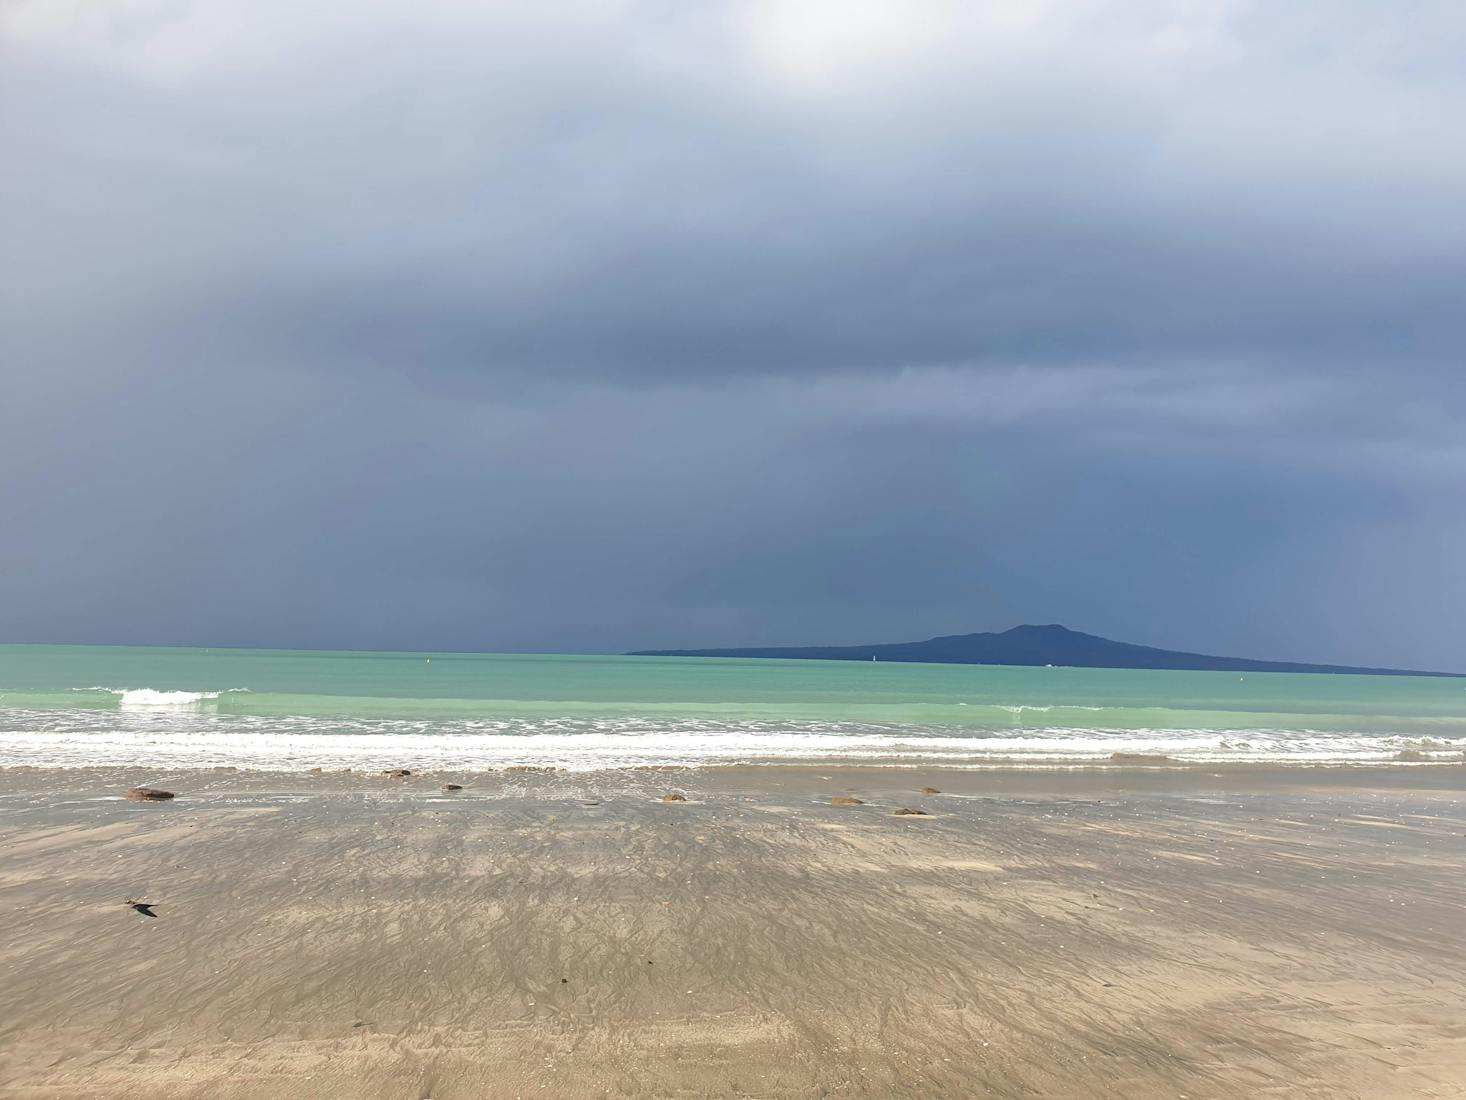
(143, 907)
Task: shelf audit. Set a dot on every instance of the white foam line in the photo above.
(183, 735)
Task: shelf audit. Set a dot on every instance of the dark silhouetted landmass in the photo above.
(1032, 645)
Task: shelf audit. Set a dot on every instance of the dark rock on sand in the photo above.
(148, 794)
(930, 790)
(396, 773)
(673, 796)
(843, 801)
(907, 811)
(453, 786)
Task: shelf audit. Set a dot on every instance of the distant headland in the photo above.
(1033, 645)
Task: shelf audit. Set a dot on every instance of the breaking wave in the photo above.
(156, 697)
(150, 697)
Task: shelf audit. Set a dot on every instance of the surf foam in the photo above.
(180, 733)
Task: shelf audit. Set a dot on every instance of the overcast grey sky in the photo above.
(618, 324)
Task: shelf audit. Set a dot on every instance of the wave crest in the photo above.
(155, 697)
(151, 697)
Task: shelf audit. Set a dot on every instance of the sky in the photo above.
(620, 324)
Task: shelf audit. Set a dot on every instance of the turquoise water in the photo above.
(77, 705)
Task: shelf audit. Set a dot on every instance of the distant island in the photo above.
(1032, 645)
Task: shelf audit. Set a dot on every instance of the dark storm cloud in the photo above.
(642, 324)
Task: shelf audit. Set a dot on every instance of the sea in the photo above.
(82, 706)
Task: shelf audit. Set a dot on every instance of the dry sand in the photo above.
(1118, 934)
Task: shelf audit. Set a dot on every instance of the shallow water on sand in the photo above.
(1093, 933)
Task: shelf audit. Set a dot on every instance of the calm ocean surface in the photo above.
(75, 706)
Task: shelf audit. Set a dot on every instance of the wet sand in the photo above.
(1102, 933)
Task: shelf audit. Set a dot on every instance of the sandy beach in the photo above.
(1100, 933)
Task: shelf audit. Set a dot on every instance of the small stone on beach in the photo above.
(673, 796)
(453, 786)
(930, 790)
(148, 794)
(907, 811)
(396, 773)
(843, 801)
